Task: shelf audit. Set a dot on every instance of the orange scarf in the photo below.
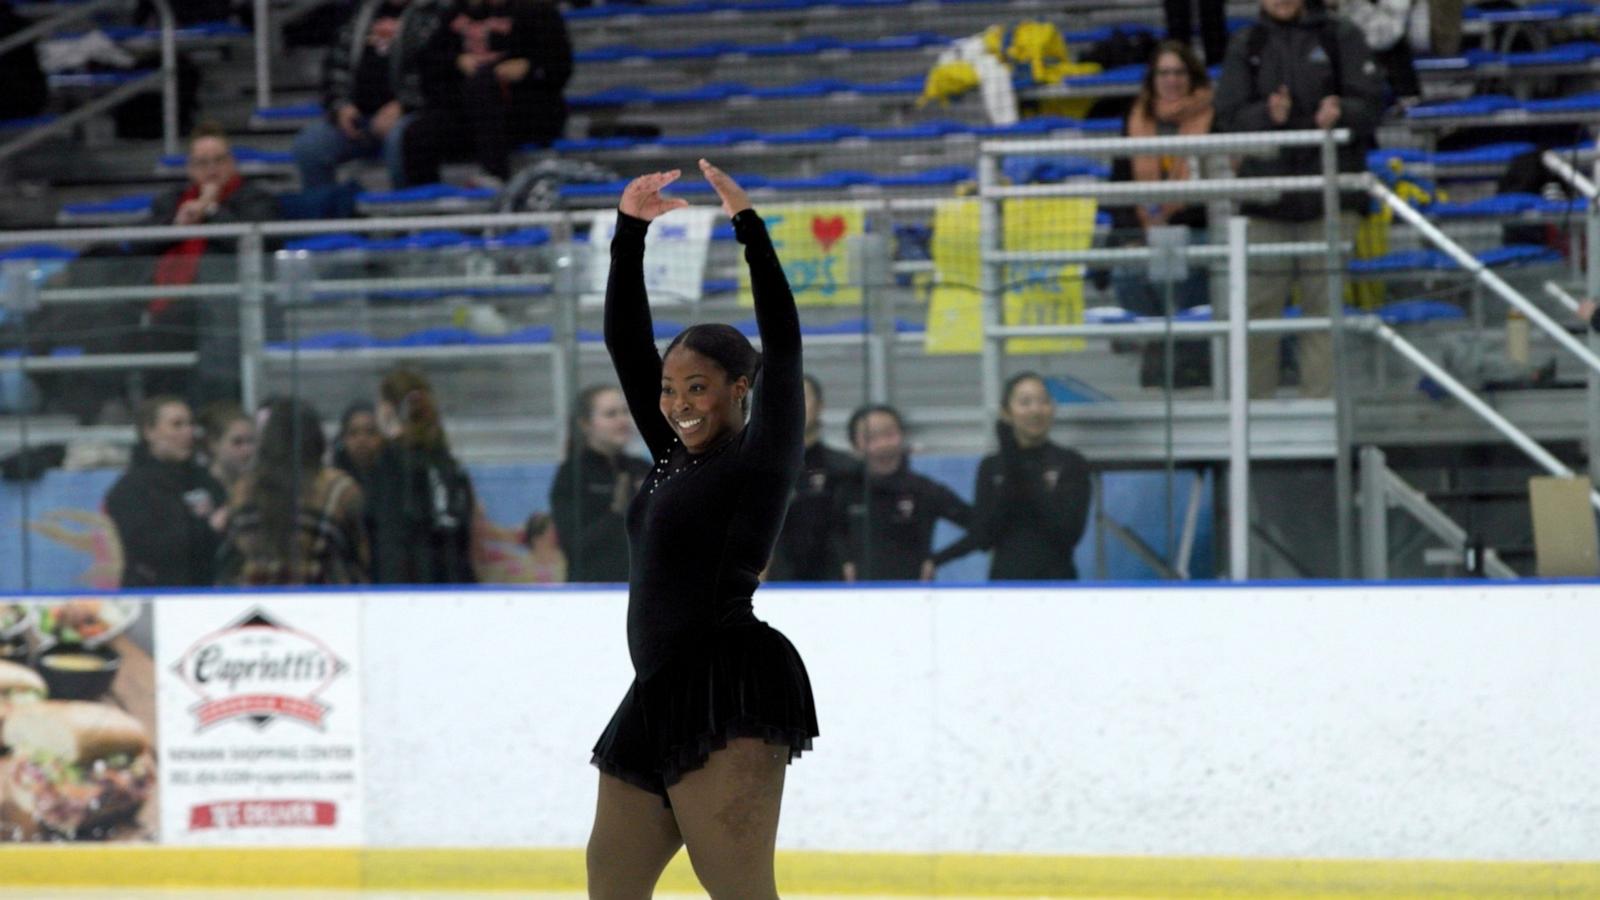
(1192, 114)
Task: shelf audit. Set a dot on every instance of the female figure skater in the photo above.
(720, 702)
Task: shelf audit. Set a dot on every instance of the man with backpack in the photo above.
(1297, 68)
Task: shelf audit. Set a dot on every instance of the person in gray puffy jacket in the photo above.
(1297, 68)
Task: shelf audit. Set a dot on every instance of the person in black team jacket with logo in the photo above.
(887, 513)
(593, 487)
(720, 702)
(808, 549)
(168, 510)
(1032, 497)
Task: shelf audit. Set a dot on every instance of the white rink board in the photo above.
(1451, 722)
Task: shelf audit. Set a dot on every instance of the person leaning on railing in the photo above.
(1297, 68)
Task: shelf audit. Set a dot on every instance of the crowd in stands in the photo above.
(264, 500)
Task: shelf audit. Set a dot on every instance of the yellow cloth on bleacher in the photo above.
(948, 80)
(1035, 294)
(1037, 45)
(814, 241)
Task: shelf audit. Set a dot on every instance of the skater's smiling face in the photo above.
(698, 399)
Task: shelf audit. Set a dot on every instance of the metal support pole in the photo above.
(19, 296)
(1238, 402)
(263, 23)
(564, 361)
(877, 299)
(1374, 516)
(169, 77)
(1591, 286)
(252, 317)
(1344, 495)
(991, 296)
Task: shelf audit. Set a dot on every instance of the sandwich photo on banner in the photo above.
(77, 768)
(77, 721)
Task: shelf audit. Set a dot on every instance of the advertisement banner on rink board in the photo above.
(78, 721)
(260, 710)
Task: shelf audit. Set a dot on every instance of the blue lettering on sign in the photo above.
(812, 275)
(674, 232)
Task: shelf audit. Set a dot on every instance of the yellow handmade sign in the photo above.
(815, 241)
(1035, 294)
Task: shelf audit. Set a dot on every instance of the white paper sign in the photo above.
(259, 702)
(674, 255)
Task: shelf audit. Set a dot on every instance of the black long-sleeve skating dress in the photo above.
(700, 531)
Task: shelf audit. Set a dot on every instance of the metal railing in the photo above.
(167, 78)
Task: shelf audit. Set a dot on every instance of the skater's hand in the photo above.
(642, 197)
(734, 199)
(1278, 104)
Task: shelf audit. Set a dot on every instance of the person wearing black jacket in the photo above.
(27, 91)
(371, 86)
(886, 513)
(720, 703)
(1032, 497)
(168, 510)
(807, 548)
(512, 60)
(421, 505)
(1297, 68)
(593, 487)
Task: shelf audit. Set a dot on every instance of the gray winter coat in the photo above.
(1292, 54)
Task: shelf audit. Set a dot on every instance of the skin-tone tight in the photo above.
(726, 813)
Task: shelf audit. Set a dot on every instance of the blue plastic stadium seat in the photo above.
(1443, 64)
(1487, 104)
(721, 138)
(1508, 204)
(709, 50)
(328, 243)
(1122, 75)
(291, 113)
(616, 96)
(1411, 312)
(426, 193)
(1401, 261)
(1589, 102)
(1489, 154)
(136, 203)
(610, 53)
(919, 131)
(1573, 53)
(95, 79)
(38, 253)
(1577, 206)
(1518, 254)
(896, 42)
(25, 124)
(1379, 160)
(800, 47)
(589, 145)
(818, 87)
(822, 134)
(930, 178)
(911, 84)
(720, 286)
(705, 93)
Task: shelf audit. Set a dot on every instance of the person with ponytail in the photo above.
(422, 504)
(593, 487)
(720, 702)
(295, 521)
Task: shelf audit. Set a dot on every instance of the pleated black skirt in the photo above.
(746, 681)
